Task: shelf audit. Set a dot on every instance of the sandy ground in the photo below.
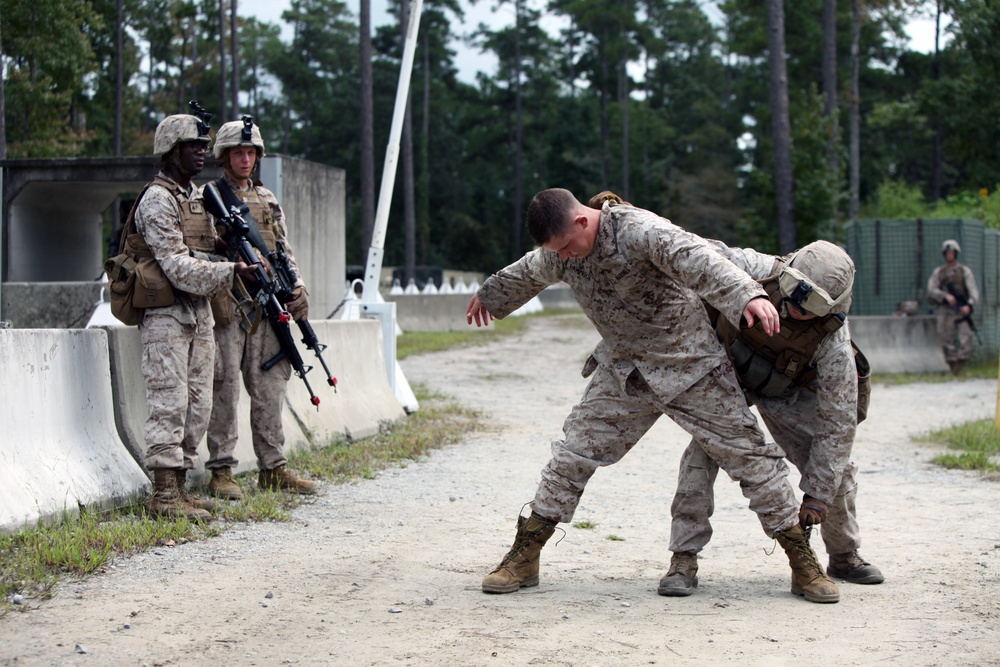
(387, 571)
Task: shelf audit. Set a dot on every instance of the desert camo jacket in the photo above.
(195, 279)
(835, 391)
(641, 286)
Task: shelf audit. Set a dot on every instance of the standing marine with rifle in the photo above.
(243, 348)
(952, 287)
(169, 225)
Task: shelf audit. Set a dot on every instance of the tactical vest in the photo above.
(261, 212)
(956, 278)
(195, 224)
(770, 365)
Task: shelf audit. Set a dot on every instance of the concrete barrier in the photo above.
(60, 449)
(363, 404)
(899, 344)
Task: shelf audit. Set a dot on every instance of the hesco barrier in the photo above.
(895, 258)
(73, 404)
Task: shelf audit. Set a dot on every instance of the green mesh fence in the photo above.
(895, 258)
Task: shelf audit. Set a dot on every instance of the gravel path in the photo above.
(387, 571)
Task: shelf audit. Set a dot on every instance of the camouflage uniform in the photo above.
(641, 287)
(240, 353)
(964, 280)
(814, 424)
(177, 347)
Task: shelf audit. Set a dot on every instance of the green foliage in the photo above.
(584, 525)
(978, 442)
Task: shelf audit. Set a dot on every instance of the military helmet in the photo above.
(950, 244)
(176, 129)
(239, 133)
(818, 279)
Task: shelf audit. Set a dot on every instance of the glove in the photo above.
(298, 307)
(812, 512)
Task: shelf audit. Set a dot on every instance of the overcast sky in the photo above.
(471, 60)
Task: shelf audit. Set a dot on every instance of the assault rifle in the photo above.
(284, 274)
(265, 297)
(286, 278)
(962, 300)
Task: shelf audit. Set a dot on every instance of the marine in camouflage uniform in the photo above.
(178, 350)
(952, 288)
(640, 280)
(239, 147)
(804, 382)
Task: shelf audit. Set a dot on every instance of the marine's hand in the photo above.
(812, 512)
(950, 298)
(477, 311)
(298, 307)
(763, 310)
(246, 271)
(965, 310)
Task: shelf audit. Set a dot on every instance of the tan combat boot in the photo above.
(519, 568)
(167, 501)
(682, 577)
(853, 568)
(808, 578)
(282, 479)
(223, 485)
(194, 501)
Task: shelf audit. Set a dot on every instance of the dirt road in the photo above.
(388, 571)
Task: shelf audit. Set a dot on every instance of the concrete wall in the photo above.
(73, 408)
(50, 305)
(899, 344)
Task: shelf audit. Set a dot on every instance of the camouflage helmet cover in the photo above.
(825, 268)
(950, 244)
(231, 134)
(176, 129)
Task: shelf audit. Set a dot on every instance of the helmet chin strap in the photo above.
(174, 158)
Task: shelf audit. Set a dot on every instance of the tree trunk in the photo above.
(830, 82)
(367, 130)
(409, 209)
(935, 121)
(855, 149)
(515, 222)
(234, 47)
(180, 75)
(623, 77)
(781, 128)
(3, 123)
(223, 99)
(119, 69)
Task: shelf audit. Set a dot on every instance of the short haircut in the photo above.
(549, 214)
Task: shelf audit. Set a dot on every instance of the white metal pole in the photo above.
(373, 269)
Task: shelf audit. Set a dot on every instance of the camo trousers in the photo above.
(177, 365)
(606, 424)
(792, 427)
(948, 331)
(241, 355)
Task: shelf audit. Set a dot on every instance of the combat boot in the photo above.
(194, 501)
(853, 568)
(808, 578)
(519, 568)
(682, 577)
(223, 485)
(167, 501)
(282, 479)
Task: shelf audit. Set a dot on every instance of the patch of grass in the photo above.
(33, 560)
(614, 538)
(584, 525)
(983, 369)
(976, 441)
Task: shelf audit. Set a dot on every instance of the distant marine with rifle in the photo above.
(952, 288)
